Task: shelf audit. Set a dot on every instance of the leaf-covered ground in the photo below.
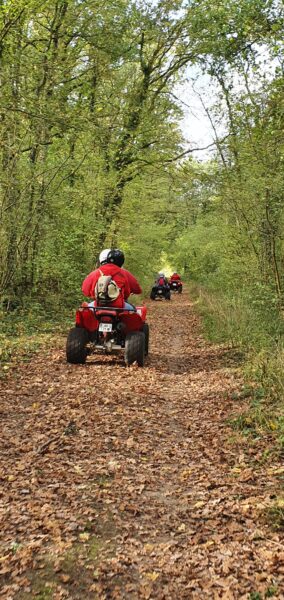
(130, 483)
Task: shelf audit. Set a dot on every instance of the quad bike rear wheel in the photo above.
(146, 334)
(153, 295)
(168, 295)
(135, 348)
(180, 289)
(76, 346)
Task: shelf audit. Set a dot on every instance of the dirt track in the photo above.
(129, 483)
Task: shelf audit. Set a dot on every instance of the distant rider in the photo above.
(161, 280)
(110, 264)
(175, 277)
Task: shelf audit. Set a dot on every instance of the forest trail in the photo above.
(127, 483)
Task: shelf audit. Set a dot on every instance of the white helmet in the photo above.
(103, 255)
(161, 273)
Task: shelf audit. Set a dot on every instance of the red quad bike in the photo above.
(176, 286)
(109, 329)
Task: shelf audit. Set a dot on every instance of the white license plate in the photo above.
(160, 292)
(105, 327)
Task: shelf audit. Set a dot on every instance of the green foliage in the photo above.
(275, 515)
(231, 244)
(85, 110)
(271, 591)
(25, 332)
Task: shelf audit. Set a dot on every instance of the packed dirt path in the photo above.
(128, 483)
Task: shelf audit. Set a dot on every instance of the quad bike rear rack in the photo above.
(108, 310)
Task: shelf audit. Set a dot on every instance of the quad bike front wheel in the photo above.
(76, 345)
(135, 348)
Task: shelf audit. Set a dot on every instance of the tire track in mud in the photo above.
(138, 464)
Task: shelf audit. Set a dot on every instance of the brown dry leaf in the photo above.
(2, 558)
(185, 474)
(84, 537)
(64, 578)
(153, 575)
(149, 547)
(130, 442)
(199, 504)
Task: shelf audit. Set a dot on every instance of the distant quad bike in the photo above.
(176, 286)
(161, 292)
(109, 329)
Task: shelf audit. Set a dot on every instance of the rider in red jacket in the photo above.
(175, 277)
(111, 262)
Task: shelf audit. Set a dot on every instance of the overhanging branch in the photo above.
(198, 149)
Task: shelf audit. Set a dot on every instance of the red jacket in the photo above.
(175, 277)
(133, 283)
(125, 281)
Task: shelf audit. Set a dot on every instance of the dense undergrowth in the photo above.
(25, 331)
(257, 336)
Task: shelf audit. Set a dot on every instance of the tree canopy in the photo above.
(92, 152)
